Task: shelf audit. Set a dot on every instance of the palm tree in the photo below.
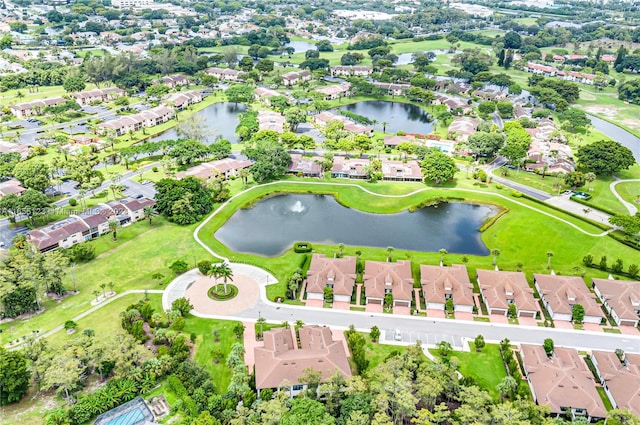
(102, 286)
(244, 175)
(549, 255)
(226, 274)
(150, 211)
(214, 272)
(384, 126)
(96, 293)
(442, 252)
(113, 227)
(261, 321)
(589, 177)
(340, 249)
(389, 251)
(111, 285)
(495, 252)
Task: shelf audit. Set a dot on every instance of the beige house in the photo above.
(149, 118)
(296, 77)
(11, 187)
(440, 284)
(336, 273)
(621, 299)
(560, 293)
(499, 290)
(98, 95)
(227, 167)
(350, 71)
(225, 74)
(308, 167)
(620, 378)
(263, 94)
(382, 278)
(562, 381)
(271, 120)
(36, 107)
(183, 100)
(280, 362)
(174, 81)
(335, 92)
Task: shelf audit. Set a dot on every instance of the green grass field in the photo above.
(485, 367)
(630, 192)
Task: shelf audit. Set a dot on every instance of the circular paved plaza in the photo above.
(248, 293)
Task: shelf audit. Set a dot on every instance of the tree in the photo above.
(31, 203)
(230, 55)
(182, 305)
(389, 251)
(505, 109)
(306, 411)
(324, 46)
(479, 342)
(495, 252)
(33, 175)
(271, 160)
(437, 166)
(240, 93)
(630, 224)
(113, 228)
(577, 313)
(621, 417)
(512, 40)
(374, 334)
(589, 177)
(294, 117)
(507, 386)
(149, 212)
(194, 128)
(473, 61)
(444, 348)
(264, 65)
(574, 179)
(548, 346)
(73, 84)
(487, 107)
(157, 91)
(605, 157)
(514, 152)
(549, 255)
(14, 376)
(485, 144)
(573, 118)
(226, 273)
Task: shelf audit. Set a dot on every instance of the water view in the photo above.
(398, 116)
(618, 134)
(301, 46)
(221, 120)
(272, 225)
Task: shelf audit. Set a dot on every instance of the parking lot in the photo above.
(423, 337)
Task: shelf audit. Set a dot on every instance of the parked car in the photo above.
(397, 335)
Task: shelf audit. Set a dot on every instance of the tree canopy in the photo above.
(604, 157)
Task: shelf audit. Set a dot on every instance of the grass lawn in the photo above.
(376, 353)
(485, 368)
(10, 97)
(205, 344)
(605, 398)
(140, 251)
(630, 192)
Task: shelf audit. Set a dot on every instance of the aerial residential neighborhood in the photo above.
(223, 213)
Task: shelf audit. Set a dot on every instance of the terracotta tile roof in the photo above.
(11, 187)
(339, 272)
(562, 380)
(96, 216)
(208, 169)
(300, 164)
(409, 170)
(281, 360)
(622, 379)
(379, 276)
(498, 287)
(437, 282)
(561, 292)
(623, 296)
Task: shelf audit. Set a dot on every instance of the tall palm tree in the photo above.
(495, 252)
(214, 272)
(549, 255)
(442, 252)
(113, 227)
(340, 249)
(226, 274)
(150, 211)
(244, 175)
(589, 177)
(389, 251)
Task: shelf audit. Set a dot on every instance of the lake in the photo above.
(272, 225)
(221, 119)
(301, 46)
(618, 134)
(398, 116)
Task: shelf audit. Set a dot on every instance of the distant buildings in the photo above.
(89, 224)
(149, 118)
(108, 94)
(351, 71)
(552, 71)
(335, 92)
(264, 94)
(182, 100)
(225, 74)
(8, 147)
(128, 4)
(619, 377)
(464, 127)
(11, 187)
(35, 107)
(281, 361)
(296, 77)
(271, 120)
(323, 118)
(356, 168)
(307, 167)
(226, 167)
(174, 81)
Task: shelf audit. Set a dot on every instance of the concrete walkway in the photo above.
(564, 202)
(628, 205)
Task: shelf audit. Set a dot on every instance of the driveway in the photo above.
(564, 202)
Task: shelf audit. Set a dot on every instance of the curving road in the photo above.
(633, 210)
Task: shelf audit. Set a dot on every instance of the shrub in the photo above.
(204, 266)
(73, 202)
(70, 324)
(154, 169)
(302, 247)
(80, 253)
(179, 266)
(516, 194)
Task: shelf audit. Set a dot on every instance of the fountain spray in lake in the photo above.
(297, 208)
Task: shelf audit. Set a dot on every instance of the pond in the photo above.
(405, 59)
(618, 134)
(301, 46)
(221, 120)
(272, 225)
(398, 116)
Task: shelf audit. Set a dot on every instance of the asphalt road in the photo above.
(432, 331)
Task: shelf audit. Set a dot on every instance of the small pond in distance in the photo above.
(272, 225)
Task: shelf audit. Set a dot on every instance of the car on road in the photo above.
(139, 195)
(397, 335)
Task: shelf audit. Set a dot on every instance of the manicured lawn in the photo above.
(140, 251)
(10, 97)
(485, 368)
(377, 353)
(605, 398)
(630, 192)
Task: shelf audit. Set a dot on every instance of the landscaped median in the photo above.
(523, 235)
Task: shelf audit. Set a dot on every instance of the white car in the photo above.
(397, 335)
